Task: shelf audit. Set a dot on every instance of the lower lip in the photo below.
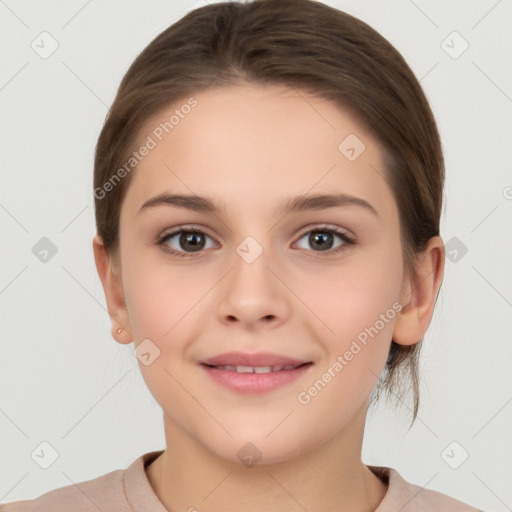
(254, 383)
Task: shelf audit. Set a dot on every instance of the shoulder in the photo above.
(408, 497)
(103, 493)
(106, 493)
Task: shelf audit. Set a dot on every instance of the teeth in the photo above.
(244, 369)
(263, 369)
(255, 369)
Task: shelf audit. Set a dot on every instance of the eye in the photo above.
(185, 242)
(323, 239)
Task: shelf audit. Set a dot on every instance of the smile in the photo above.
(254, 380)
(255, 369)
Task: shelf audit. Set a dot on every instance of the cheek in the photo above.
(163, 305)
(360, 312)
(349, 300)
(160, 298)
(355, 305)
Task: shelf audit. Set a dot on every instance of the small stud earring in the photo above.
(120, 330)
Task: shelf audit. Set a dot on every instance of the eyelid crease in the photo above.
(341, 233)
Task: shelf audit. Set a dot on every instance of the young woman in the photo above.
(268, 189)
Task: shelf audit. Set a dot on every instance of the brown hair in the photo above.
(303, 44)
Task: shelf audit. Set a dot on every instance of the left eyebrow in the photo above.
(294, 204)
(325, 201)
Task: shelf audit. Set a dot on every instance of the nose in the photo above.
(253, 295)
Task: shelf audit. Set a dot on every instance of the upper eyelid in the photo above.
(194, 229)
(199, 228)
(185, 228)
(327, 227)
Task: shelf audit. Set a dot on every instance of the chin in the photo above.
(259, 450)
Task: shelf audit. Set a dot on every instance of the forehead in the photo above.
(250, 142)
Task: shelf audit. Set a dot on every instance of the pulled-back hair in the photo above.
(309, 46)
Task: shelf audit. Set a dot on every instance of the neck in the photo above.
(331, 477)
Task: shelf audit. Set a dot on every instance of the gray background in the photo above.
(64, 380)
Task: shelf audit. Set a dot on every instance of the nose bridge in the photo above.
(250, 269)
(251, 292)
(250, 250)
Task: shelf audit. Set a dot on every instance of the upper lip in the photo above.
(257, 359)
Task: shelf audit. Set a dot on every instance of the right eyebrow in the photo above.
(189, 202)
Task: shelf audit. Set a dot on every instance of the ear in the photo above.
(419, 294)
(110, 277)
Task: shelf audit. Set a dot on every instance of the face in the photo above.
(220, 296)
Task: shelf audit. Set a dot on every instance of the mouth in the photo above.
(256, 369)
(254, 373)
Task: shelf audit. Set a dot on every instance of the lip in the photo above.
(253, 383)
(256, 359)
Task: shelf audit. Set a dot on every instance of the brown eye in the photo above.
(184, 243)
(323, 240)
(193, 240)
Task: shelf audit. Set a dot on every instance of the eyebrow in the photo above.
(294, 204)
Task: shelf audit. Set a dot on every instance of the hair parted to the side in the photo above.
(316, 49)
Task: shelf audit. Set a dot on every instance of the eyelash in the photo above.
(322, 229)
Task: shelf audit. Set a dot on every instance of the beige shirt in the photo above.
(129, 490)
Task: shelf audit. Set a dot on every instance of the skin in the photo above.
(250, 148)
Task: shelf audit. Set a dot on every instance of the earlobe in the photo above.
(114, 296)
(419, 295)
